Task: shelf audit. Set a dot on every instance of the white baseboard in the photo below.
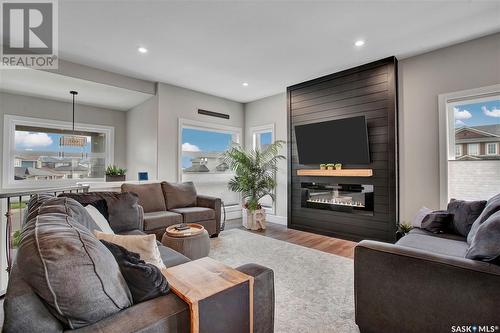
(277, 219)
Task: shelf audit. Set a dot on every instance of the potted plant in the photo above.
(403, 230)
(330, 166)
(255, 178)
(322, 166)
(115, 174)
(338, 166)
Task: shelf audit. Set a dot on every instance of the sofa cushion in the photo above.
(75, 275)
(95, 199)
(150, 196)
(179, 195)
(155, 220)
(485, 245)
(171, 257)
(195, 214)
(144, 280)
(449, 247)
(36, 200)
(492, 206)
(464, 214)
(445, 235)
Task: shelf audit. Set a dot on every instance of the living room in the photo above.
(265, 166)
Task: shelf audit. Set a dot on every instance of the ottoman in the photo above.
(194, 242)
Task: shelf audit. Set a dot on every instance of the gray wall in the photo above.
(48, 109)
(422, 78)
(142, 143)
(271, 110)
(176, 103)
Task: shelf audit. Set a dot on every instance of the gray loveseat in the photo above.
(424, 283)
(26, 311)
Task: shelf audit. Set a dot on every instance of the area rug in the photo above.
(314, 289)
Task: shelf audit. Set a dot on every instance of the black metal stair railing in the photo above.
(19, 195)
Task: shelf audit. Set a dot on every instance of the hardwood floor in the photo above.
(327, 244)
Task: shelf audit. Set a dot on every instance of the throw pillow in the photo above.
(421, 214)
(144, 245)
(437, 222)
(90, 198)
(145, 281)
(179, 195)
(492, 206)
(485, 245)
(70, 270)
(464, 214)
(150, 196)
(101, 222)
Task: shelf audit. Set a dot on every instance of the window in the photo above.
(201, 147)
(262, 136)
(492, 149)
(48, 153)
(473, 149)
(469, 139)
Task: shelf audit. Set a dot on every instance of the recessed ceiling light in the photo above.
(245, 84)
(142, 50)
(359, 43)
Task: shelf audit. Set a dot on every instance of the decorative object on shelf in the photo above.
(330, 166)
(322, 166)
(115, 174)
(403, 230)
(338, 166)
(336, 173)
(255, 177)
(142, 176)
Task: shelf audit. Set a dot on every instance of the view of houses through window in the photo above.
(201, 161)
(45, 154)
(474, 165)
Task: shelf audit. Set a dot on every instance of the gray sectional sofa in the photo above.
(426, 283)
(60, 266)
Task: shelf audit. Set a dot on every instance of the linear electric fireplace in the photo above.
(348, 198)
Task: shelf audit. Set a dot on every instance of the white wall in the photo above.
(176, 103)
(422, 78)
(142, 143)
(49, 109)
(271, 110)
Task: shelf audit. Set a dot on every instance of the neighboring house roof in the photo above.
(477, 134)
(222, 167)
(197, 168)
(70, 168)
(40, 172)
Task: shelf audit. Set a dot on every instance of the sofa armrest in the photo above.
(263, 297)
(211, 202)
(401, 289)
(167, 314)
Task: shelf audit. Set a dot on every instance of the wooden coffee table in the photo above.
(204, 282)
(194, 242)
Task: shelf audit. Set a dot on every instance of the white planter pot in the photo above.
(255, 220)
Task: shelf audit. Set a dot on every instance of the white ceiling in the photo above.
(37, 83)
(214, 46)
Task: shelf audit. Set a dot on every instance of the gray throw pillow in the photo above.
(485, 245)
(420, 216)
(464, 214)
(179, 195)
(492, 206)
(124, 212)
(438, 222)
(70, 270)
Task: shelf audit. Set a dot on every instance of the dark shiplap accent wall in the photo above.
(369, 90)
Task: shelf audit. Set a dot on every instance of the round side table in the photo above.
(194, 242)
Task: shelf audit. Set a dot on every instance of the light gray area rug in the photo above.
(314, 289)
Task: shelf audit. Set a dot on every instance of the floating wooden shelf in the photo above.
(336, 173)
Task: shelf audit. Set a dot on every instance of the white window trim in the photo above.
(478, 150)
(460, 150)
(255, 130)
(10, 123)
(445, 103)
(214, 127)
(487, 148)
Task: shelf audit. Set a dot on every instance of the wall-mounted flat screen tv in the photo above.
(337, 141)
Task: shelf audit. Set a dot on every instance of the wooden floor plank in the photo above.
(340, 247)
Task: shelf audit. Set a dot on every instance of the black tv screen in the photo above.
(337, 141)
